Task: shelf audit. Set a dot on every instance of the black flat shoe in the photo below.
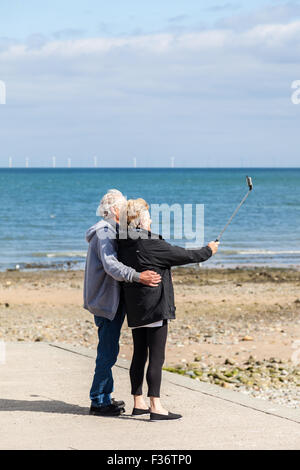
(160, 417)
(138, 412)
(109, 410)
(120, 403)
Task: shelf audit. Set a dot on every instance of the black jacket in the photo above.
(150, 304)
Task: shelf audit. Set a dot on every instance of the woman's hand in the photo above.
(214, 247)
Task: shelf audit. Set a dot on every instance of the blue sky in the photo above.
(208, 83)
(118, 17)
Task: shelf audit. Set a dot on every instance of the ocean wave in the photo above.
(260, 252)
(60, 254)
(250, 252)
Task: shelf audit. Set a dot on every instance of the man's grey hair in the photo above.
(113, 198)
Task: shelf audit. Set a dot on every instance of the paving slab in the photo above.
(44, 404)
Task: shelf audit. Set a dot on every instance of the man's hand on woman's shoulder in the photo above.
(150, 278)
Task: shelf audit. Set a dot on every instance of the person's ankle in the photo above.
(140, 404)
(159, 410)
(156, 407)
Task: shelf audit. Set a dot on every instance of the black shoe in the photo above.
(138, 412)
(119, 404)
(108, 410)
(160, 417)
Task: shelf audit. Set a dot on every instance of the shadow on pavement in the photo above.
(42, 406)
(54, 406)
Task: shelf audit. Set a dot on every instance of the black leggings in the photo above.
(153, 340)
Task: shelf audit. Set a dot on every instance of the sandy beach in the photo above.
(237, 328)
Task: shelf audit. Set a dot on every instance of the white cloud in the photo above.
(68, 33)
(207, 88)
(265, 37)
(271, 14)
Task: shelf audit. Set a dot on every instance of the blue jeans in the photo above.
(107, 354)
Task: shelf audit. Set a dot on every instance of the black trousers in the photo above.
(146, 341)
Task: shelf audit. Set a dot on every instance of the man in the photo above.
(103, 272)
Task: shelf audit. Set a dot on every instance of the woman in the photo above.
(149, 309)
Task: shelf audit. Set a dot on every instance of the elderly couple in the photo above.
(131, 275)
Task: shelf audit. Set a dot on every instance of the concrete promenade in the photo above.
(44, 405)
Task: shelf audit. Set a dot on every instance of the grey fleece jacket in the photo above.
(103, 271)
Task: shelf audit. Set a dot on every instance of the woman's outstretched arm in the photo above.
(164, 254)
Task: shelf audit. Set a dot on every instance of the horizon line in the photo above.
(148, 168)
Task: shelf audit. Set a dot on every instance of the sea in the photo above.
(44, 213)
